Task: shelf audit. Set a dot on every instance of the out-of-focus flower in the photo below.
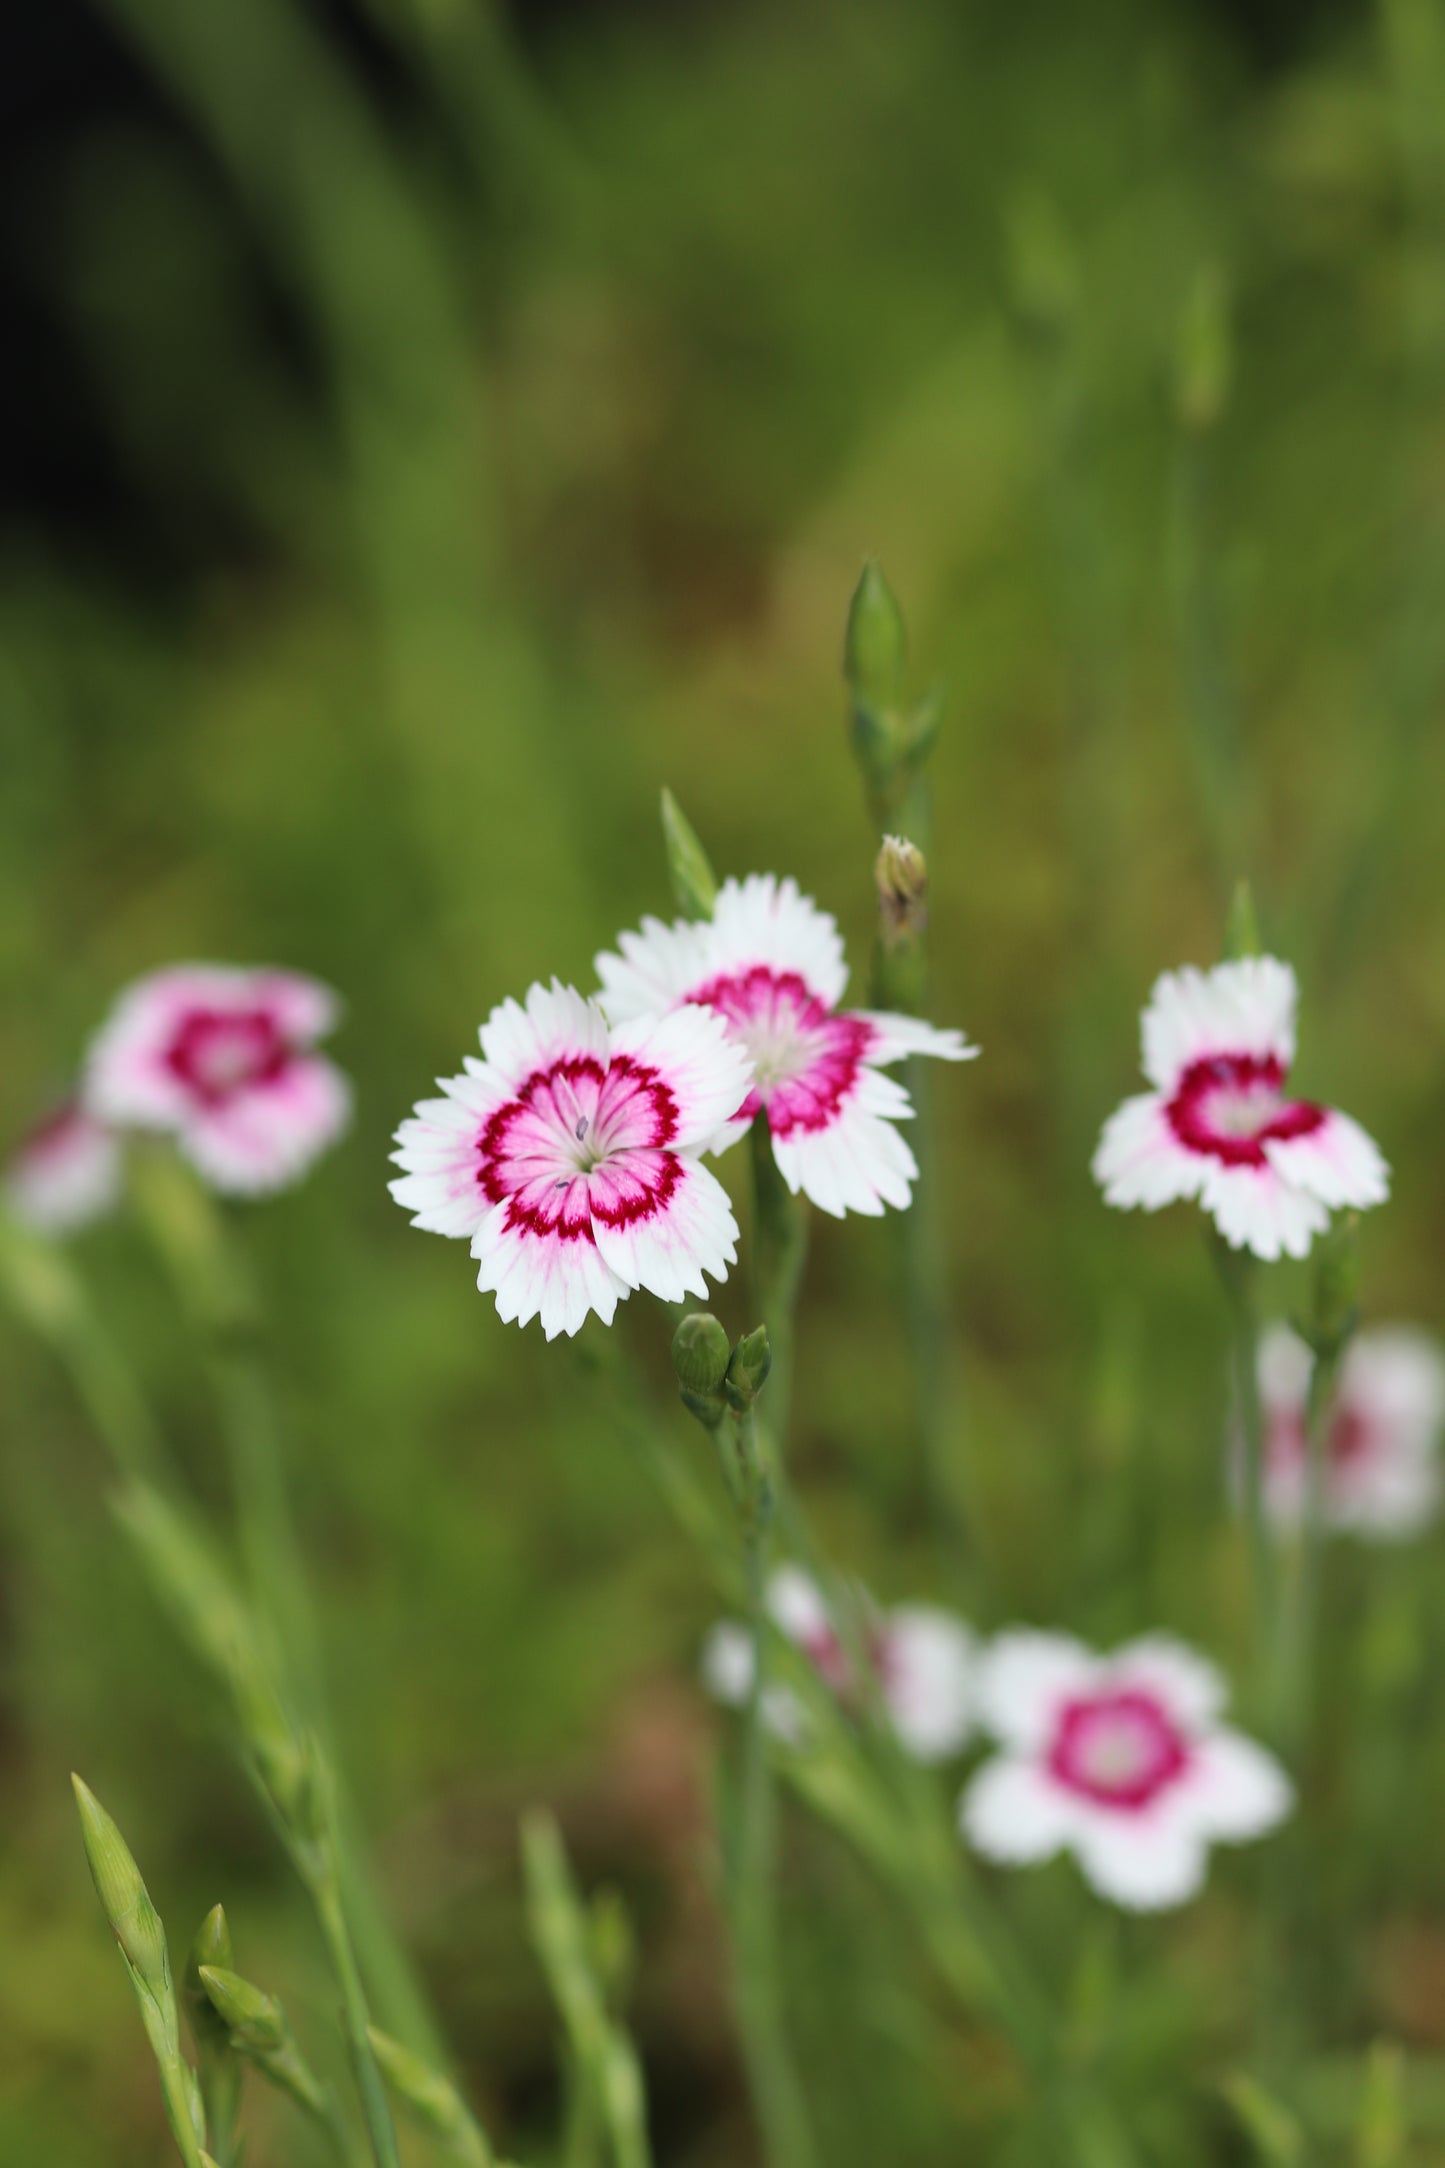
(770, 963)
(65, 1173)
(923, 1658)
(1119, 1759)
(224, 1059)
(1219, 1124)
(1381, 1474)
(568, 1157)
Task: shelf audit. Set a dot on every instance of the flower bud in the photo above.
(124, 1899)
(700, 1353)
(901, 875)
(694, 884)
(254, 2020)
(874, 648)
(747, 1373)
(1335, 1304)
(1241, 934)
(212, 1946)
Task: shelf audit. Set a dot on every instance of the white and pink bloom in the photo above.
(1220, 1124)
(923, 1659)
(65, 1173)
(1381, 1472)
(568, 1157)
(1121, 1760)
(770, 963)
(224, 1060)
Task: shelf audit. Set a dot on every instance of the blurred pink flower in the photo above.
(1382, 1459)
(568, 1157)
(1219, 1124)
(1119, 1759)
(923, 1658)
(65, 1173)
(224, 1060)
(770, 963)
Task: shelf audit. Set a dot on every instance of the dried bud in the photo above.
(694, 884)
(901, 875)
(123, 1895)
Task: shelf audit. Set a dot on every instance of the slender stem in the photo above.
(177, 2094)
(780, 1249)
(777, 2094)
(1303, 1619)
(1236, 1275)
(375, 2109)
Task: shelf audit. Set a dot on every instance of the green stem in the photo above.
(176, 2090)
(375, 2109)
(780, 1249)
(1236, 1276)
(777, 2093)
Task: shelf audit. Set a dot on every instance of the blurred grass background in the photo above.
(477, 425)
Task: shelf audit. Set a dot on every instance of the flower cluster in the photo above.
(1121, 1760)
(569, 1156)
(1381, 1477)
(223, 1060)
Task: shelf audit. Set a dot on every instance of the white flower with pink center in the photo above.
(1121, 1760)
(923, 1659)
(65, 1173)
(1220, 1123)
(1381, 1460)
(568, 1157)
(770, 963)
(224, 1059)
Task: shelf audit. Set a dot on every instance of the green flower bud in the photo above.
(254, 2020)
(1241, 935)
(874, 648)
(1335, 1307)
(701, 1352)
(901, 876)
(123, 1896)
(432, 2099)
(212, 1946)
(747, 1373)
(694, 884)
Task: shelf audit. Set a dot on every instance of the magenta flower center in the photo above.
(582, 1142)
(1120, 1748)
(218, 1053)
(805, 1057)
(1230, 1106)
(1351, 1438)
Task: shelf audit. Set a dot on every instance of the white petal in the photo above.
(669, 1248)
(543, 1275)
(654, 968)
(556, 1024)
(267, 1135)
(929, 1680)
(1284, 1368)
(796, 1603)
(1192, 1691)
(897, 1036)
(1245, 1007)
(1255, 1209)
(65, 1174)
(1145, 1861)
(1233, 1790)
(1395, 1375)
(859, 1163)
(437, 1150)
(701, 1064)
(1024, 1676)
(1012, 1811)
(1140, 1161)
(763, 920)
(1337, 1163)
(727, 1663)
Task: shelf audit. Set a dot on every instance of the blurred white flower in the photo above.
(65, 1173)
(568, 1157)
(1219, 1124)
(923, 1658)
(770, 963)
(1381, 1473)
(1120, 1760)
(224, 1060)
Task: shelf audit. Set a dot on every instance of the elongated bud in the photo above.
(874, 647)
(1241, 934)
(747, 1373)
(1335, 1304)
(901, 876)
(694, 884)
(124, 1899)
(254, 2020)
(701, 1352)
(212, 1946)
(432, 2099)
(1204, 359)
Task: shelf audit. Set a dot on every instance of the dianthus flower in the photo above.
(923, 1659)
(65, 1173)
(1119, 1759)
(568, 1157)
(1220, 1125)
(770, 963)
(1381, 1473)
(224, 1059)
